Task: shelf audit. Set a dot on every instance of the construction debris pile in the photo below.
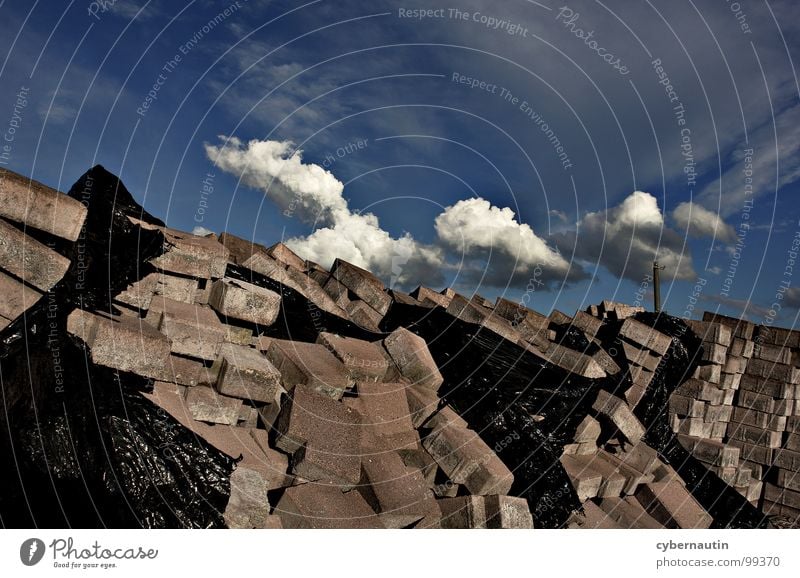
(171, 380)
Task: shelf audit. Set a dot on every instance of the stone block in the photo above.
(466, 459)
(779, 372)
(768, 421)
(672, 505)
(15, 299)
(362, 314)
(711, 452)
(309, 364)
(423, 295)
(324, 506)
(29, 260)
(35, 205)
(411, 355)
(384, 412)
(240, 249)
(473, 312)
(588, 430)
(645, 336)
(364, 284)
(365, 361)
(617, 412)
(247, 374)
(765, 386)
(200, 257)
(390, 487)
(193, 330)
(568, 359)
(248, 506)
(422, 403)
(628, 513)
(122, 343)
(245, 301)
(751, 452)
(207, 405)
(285, 255)
(754, 435)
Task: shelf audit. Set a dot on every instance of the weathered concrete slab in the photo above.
(309, 364)
(248, 506)
(392, 488)
(422, 403)
(411, 355)
(568, 359)
(285, 255)
(384, 411)
(245, 301)
(240, 249)
(473, 312)
(29, 202)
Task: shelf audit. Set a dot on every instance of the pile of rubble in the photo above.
(348, 423)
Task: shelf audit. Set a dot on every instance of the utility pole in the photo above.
(656, 287)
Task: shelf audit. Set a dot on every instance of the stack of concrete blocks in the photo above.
(29, 268)
(342, 432)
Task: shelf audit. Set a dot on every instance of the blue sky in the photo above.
(497, 147)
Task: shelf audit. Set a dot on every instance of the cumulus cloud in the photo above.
(509, 251)
(698, 221)
(315, 195)
(625, 239)
(304, 190)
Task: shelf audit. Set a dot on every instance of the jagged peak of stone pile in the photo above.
(343, 412)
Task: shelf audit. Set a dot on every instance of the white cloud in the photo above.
(304, 190)
(627, 238)
(315, 195)
(698, 221)
(201, 231)
(477, 229)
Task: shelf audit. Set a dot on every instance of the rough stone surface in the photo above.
(207, 405)
(247, 374)
(364, 361)
(309, 364)
(29, 260)
(411, 354)
(245, 301)
(363, 283)
(35, 205)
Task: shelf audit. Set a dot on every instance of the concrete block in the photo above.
(245, 301)
(617, 412)
(673, 506)
(15, 299)
(207, 405)
(285, 255)
(422, 403)
(468, 460)
(35, 205)
(29, 260)
(390, 487)
(193, 330)
(754, 435)
(767, 421)
(364, 284)
(122, 343)
(247, 374)
(423, 294)
(645, 336)
(200, 257)
(309, 364)
(628, 513)
(324, 506)
(411, 355)
(568, 359)
(362, 314)
(365, 361)
(778, 372)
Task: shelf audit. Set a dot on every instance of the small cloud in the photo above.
(698, 221)
(201, 231)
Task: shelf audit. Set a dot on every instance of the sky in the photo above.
(543, 152)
